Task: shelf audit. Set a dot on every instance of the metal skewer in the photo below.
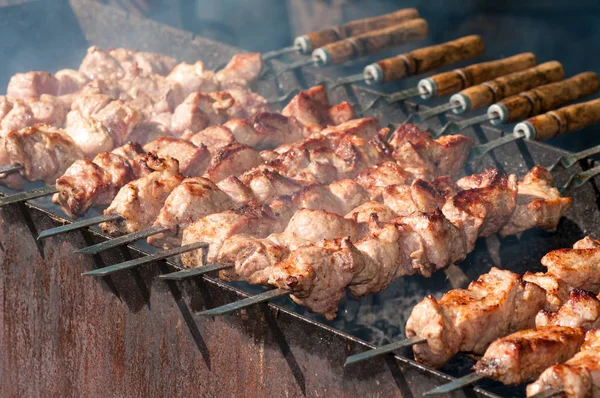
(10, 168)
(122, 240)
(386, 349)
(456, 384)
(247, 302)
(78, 225)
(27, 195)
(188, 273)
(145, 260)
(568, 161)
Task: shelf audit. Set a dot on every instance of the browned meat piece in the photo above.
(86, 184)
(193, 199)
(45, 152)
(420, 196)
(145, 132)
(468, 320)
(233, 160)
(30, 85)
(139, 202)
(193, 160)
(165, 94)
(193, 78)
(375, 178)
(483, 210)
(214, 138)
(318, 275)
(19, 116)
(154, 64)
(586, 243)
(266, 184)
(341, 113)
(135, 155)
(522, 356)
(579, 377)
(214, 229)
(90, 135)
(557, 291)
(11, 180)
(119, 119)
(200, 110)
(539, 204)
(310, 107)
(70, 81)
(247, 103)
(90, 104)
(582, 309)
(265, 130)
(362, 214)
(99, 64)
(349, 195)
(365, 128)
(238, 192)
(242, 70)
(577, 267)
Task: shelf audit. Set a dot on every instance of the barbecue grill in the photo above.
(133, 334)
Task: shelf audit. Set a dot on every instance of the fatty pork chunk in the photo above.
(468, 320)
(214, 229)
(193, 78)
(418, 154)
(578, 267)
(582, 309)
(521, 357)
(149, 63)
(18, 114)
(539, 204)
(92, 183)
(98, 64)
(232, 160)
(579, 377)
(193, 160)
(164, 94)
(139, 202)
(241, 71)
(45, 152)
(200, 110)
(192, 200)
(32, 85)
(557, 290)
(312, 109)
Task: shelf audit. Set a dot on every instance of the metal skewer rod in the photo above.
(276, 53)
(455, 127)
(145, 260)
(78, 225)
(456, 384)
(578, 179)
(247, 302)
(568, 161)
(27, 195)
(122, 240)
(386, 349)
(192, 272)
(10, 168)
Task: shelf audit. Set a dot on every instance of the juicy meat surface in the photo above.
(214, 138)
(193, 78)
(191, 200)
(19, 116)
(522, 356)
(577, 267)
(582, 309)
(557, 290)
(90, 135)
(29, 85)
(468, 320)
(136, 157)
(139, 202)
(193, 160)
(241, 71)
(200, 110)
(232, 160)
(99, 64)
(265, 130)
(579, 377)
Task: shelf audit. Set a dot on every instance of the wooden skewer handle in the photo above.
(452, 82)
(425, 59)
(371, 42)
(544, 98)
(488, 93)
(561, 121)
(307, 43)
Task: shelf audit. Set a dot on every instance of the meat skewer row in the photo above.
(255, 216)
(316, 275)
(502, 302)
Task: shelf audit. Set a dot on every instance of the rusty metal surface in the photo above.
(132, 335)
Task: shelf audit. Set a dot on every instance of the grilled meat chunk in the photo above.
(200, 110)
(139, 202)
(214, 138)
(193, 160)
(265, 130)
(557, 290)
(579, 377)
(576, 267)
(193, 78)
(29, 85)
(247, 103)
(522, 356)
(193, 199)
(99, 64)
(241, 71)
(70, 81)
(19, 116)
(135, 155)
(232, 160)
(496, 304)
(582, 309)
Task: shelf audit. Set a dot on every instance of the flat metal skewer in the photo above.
(549, 393)
(569, 160)
(27, 195)
(189, 273)
(122, 240)
(386, 349)
(456, 384)
(455, 127)
(437, 110)
(296, 65)
(78, 224)
(144, 260)
(578, 179)
(389, 99)
(247, 302)
(275, 53)
(480, 150)
(10, 168)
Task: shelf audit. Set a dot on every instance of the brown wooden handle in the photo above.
(428, 58)
(371, 42)
(561, 121)
(486, 94)
(546, 98)
(326, 36)
(452, 82)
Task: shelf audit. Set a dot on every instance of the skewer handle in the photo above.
(424, 59)
(310, 41)
(452, 82)
(544, 98)
(488, 93)
(561, 121)
(371, 42)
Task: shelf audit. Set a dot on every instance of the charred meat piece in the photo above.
(135, 155)
(193, 160)
(557, 290)
(139, 202)
(522, 356)
(579, 377)
(582, 309)
(247, 103)
(576, 267)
